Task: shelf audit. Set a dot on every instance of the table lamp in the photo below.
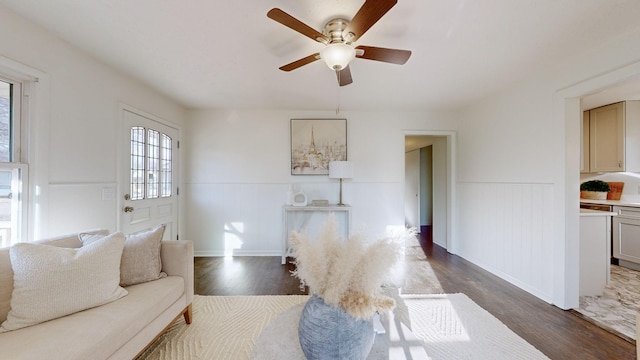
(340, 170)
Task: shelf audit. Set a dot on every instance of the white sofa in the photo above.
(117, 330)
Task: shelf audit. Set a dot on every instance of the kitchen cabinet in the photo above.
(626, 236)
(606, 138)
(584, 167)
(614, 138)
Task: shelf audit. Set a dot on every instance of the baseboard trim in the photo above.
(236, 253)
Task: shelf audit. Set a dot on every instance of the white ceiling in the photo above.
(210, 54)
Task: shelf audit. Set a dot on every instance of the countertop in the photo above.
(589, 212)
(621, 202)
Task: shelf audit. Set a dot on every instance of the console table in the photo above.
(309, 219)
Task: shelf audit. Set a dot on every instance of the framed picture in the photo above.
(316, 142)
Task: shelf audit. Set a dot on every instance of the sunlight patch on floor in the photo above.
(233, 233)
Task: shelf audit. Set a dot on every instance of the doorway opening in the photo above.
(429, 186)
(614, 305)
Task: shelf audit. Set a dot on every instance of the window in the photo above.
(151, 164)
(8, 106)
(13, 173)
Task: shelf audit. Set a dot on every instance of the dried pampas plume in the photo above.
(348, 273)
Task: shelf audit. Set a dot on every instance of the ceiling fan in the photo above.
(338, 35)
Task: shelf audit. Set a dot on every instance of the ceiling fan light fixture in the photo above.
(338, 55)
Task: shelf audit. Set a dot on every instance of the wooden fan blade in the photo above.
(393, 56)
(344, 76)
(297, 25)
(298, 63)
(370, 12)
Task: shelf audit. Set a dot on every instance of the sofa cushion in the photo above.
(141, 256)
(6, 274)
(98, 332)
(50, 281)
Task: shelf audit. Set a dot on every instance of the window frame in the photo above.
(17, 163)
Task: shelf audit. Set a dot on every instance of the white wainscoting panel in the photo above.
(506, 228)
(246, 219)
(234, 219)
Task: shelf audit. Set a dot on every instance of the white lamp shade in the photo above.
(338, 55)
(340, 170)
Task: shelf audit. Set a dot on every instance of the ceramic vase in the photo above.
(328, 332)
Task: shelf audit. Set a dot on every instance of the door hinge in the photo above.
(177, 237)
(178, 191)
(178, 144)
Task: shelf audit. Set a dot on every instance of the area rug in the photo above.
(451, 326)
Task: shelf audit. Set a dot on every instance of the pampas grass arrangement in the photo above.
(348, 273)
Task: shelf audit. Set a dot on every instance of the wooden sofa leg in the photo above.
(188, 314)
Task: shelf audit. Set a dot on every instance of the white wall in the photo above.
(77, 128)
(412, 196)
(440, 189)
(518, 173)
(237, 174)
(426, 186)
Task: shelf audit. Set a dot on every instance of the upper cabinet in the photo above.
(606, 138)
(584, 167)
(613, 134)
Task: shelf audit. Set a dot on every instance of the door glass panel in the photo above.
(166, 166)
(137, 163)
(153, 164)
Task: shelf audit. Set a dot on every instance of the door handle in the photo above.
(128, 209)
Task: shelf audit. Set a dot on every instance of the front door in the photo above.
(149, 175)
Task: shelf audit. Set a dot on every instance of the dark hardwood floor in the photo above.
(557, 333)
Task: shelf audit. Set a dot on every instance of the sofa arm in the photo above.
(177, 260)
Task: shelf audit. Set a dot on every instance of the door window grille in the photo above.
(151, 164)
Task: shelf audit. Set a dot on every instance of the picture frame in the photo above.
(315, 143)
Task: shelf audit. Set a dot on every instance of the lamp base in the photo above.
(340, 203)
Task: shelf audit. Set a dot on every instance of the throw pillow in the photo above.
(50, 282)
(141, 255)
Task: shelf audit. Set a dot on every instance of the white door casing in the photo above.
(150, 208)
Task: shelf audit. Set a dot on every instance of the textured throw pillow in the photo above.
(50, 282)
(141, 256)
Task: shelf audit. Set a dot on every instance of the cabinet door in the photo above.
(626, 234)
(632, 136)
(606, 138)
(584, 167)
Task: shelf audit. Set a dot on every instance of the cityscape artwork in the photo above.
(316, 142)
